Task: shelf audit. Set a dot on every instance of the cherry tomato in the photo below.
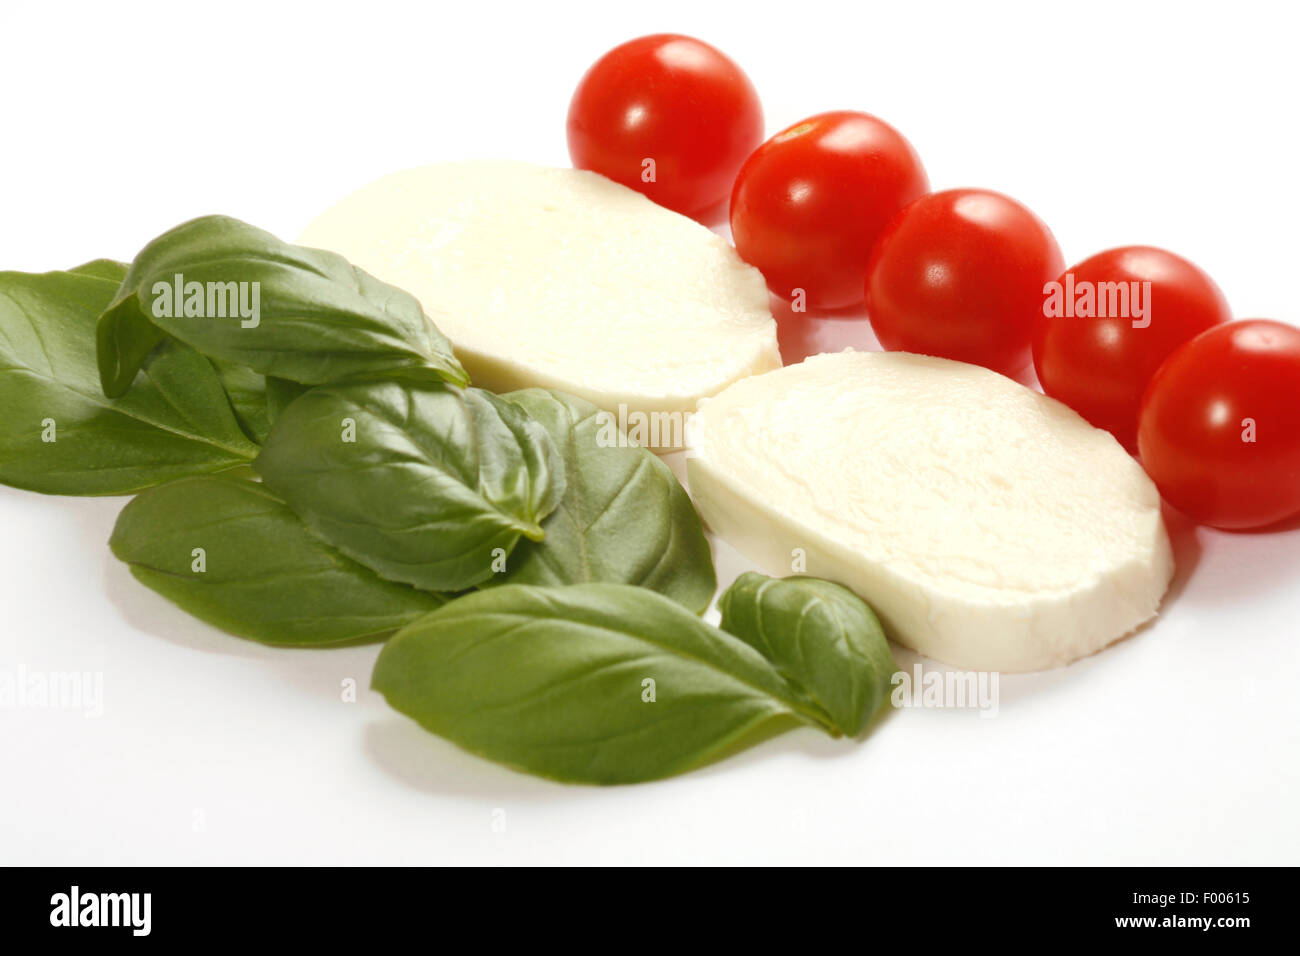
(809, 204)
(1220, 426)
(960, 274)
(668, 116)
(1109, 323)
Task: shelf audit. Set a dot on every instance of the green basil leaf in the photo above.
(314, 319)
(822, 637)
(60, 435)
(256, 399)
(123, 342)
(230, 553)
(589, 683)
(427, 485)
(247, 391)
(124, 339)
(129, 338)
(109, 269)
(279, 393)
(624, 518)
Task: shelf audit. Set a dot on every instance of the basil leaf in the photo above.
(317, 318)
(822, 637)
(247, 391)
(256, 399)
(60, 435)
(263, 575)
(279, 393)
(124, 339)
(624, 517)
(109, 269)
(427, 485)
(589, 683)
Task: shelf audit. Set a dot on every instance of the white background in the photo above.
(1170, 124)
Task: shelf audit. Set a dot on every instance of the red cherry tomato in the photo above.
(1111, 320)
(960, 274)
(1220, 426)
(810, 203)
(670, 117)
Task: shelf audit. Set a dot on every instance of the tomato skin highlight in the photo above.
(674, 100)
(1194, 424)
(809, 204)
(1100, 365)
(960, 274)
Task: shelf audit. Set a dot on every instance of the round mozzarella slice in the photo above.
(989, 526)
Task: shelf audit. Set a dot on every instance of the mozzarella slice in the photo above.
(989, 526)
(562, 278)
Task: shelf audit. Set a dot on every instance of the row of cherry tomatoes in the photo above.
(837, 210)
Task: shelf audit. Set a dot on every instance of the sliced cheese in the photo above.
(561, 278)
(989, 526)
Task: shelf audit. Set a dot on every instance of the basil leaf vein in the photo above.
(436, 484)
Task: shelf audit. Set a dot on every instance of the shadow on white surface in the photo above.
(802, 743)
(411, 755)
(306, 670)
(152, 614)
(1243, 564)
